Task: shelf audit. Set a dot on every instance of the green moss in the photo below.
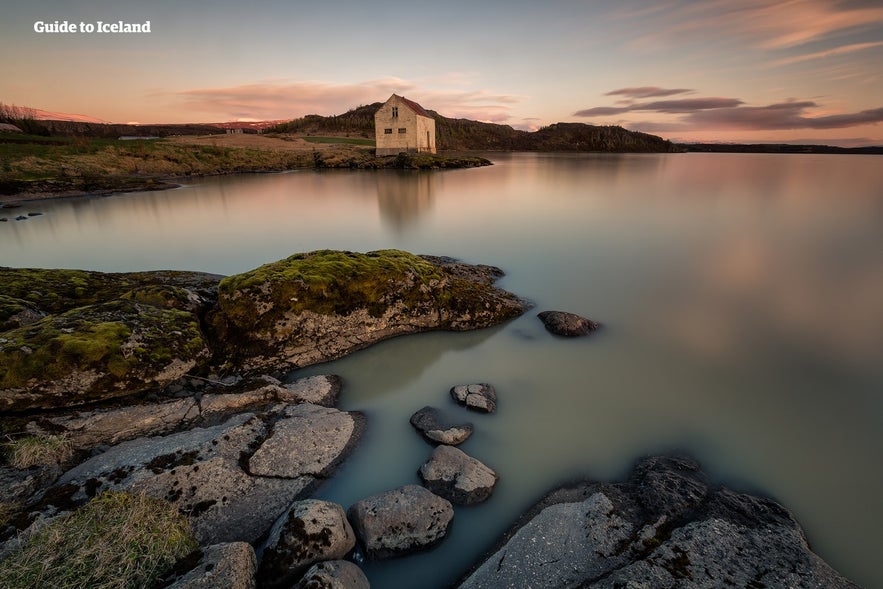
(55, 346)
(160, 295)
(97, 337)
(325, 282)
(117, 540)
(56, 291)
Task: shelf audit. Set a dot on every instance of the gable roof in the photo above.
(415, 107)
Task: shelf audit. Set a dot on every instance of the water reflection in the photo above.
(404, 195)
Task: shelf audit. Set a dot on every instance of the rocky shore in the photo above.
(171, 387)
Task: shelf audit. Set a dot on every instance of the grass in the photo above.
(39, 450)
(347, 140)
(116, 541)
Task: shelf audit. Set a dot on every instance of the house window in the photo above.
(395, 112)
(387, 131)
(402, 130)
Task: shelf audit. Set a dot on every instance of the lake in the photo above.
(741, 297)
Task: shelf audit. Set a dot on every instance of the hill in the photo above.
(464, 134)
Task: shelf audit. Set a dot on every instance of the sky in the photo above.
(807, 71)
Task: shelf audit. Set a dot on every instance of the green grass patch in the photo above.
(347, 140)
(39, 451)
(116, 541)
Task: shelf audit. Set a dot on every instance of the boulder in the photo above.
(221, 566)
(458, 477)
(428, 422)
(400, 521)
(307, 440)
(311, 531)
(664, 527)
(480, 397)
(333, 574)
(318, 306)
(567, 324)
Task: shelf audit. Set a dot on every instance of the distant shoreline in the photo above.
(779, 148)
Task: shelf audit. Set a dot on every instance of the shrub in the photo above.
(117, 540)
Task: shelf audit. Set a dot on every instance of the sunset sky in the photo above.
(712, 70)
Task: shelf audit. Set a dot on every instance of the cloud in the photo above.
(787, 115)
(271, 100)
(843, 49)
(759, 23)
(667, 106)
(648, 92)
(699, 114)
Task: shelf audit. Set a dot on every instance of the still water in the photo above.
(742, 298)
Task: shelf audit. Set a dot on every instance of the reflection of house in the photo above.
(403, 197)
(403, 125)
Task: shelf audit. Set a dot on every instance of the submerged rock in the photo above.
(567, 324)
(401, 521)
(428, 422)
(665, 527)
(458, 477)
(318, 306)
(480, 397)
(311, 531)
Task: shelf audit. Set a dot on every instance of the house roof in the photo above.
(415, 107)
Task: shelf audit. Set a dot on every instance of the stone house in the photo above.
(403, 125)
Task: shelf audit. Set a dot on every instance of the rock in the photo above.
(567, 324)
(308, 440)
(221, 566)
(95, 353)
(319, 306)
(87, 429)
(663, 528)
(481, 397)
(334, 574)
(100, 336)
(458, 477)
(321, 389)
(17, 313)
(311, 531)
(400, 521)
(427, 421)
(206, 472)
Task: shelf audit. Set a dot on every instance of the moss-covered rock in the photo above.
(96, 352)
(69, 337)
(59, 290)
(318, 306)
(16, 312)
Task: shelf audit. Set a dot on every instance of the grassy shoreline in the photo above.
(39, 168)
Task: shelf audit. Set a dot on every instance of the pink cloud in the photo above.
(280, 100)
(648, 92)
(760, 23)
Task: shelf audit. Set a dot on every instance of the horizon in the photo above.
(723, 71)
